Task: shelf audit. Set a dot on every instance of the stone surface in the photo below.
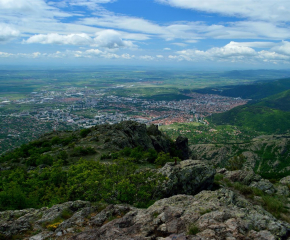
(217, 215)
(187, 177)
(220, 214)
(285, 180)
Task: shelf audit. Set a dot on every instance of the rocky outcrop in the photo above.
(220, 214)
(270, 153)
(187, 177)
(182, 144)
(249, 178)
(132, 134)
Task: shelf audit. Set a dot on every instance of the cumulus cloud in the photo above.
(283, 48)
(231, 51)
(105, 39)
(54, 38)
(238, 52)
(111, 39)
(7, 33)
(254, 9)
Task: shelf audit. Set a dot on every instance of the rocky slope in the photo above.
(266, 155)
(220, 214)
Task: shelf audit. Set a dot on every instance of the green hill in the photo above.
(279, 101)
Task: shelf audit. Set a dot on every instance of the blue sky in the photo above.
(192, 33)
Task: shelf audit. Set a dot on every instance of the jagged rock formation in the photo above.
(220, 214)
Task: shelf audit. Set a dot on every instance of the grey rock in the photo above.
(187, 177)
(282, 190)
(285, 180)
(228, 216)
(264, 185)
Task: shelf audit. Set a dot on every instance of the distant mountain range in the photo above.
(258, 90)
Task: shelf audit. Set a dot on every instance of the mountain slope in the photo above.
(270, 115)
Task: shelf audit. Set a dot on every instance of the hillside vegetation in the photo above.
(103, 163)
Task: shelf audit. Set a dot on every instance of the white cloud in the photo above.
(35, 7)
(283, 48)
(5, 54)
(238, 52)
(54, 38)
(180, 44)
(167, 49)
(7, 33)
(266, 10)
(21, 55)
(111, 39)
(106, 39)
(146, 57)
(91, 4)
(159, 56)
(90, 53)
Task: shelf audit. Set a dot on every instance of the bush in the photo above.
(193, 229)
(163, 158)
(85, 132)
(81, 151)
(236, 163)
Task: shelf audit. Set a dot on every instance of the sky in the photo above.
(193, 33)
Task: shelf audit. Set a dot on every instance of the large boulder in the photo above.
(187, 177)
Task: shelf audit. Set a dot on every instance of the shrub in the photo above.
(193, 229)
(236, 162)
(163, 158)
(85, 132)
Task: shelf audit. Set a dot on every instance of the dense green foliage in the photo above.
(138, 155)
(33, 152)
(119, 182)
